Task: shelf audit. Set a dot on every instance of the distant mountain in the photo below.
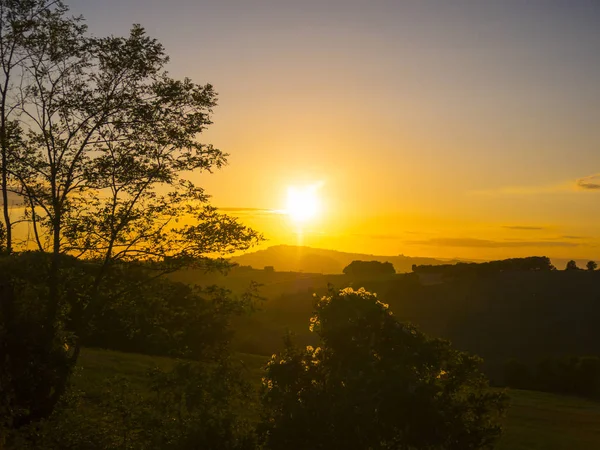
(289, 258)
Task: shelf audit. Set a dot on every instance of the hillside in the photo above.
(535, 420)
(498, 316)
(316, 260)
(524, 315)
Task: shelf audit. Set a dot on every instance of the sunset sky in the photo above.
(432, 128)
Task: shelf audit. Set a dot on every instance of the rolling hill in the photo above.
(291, 258)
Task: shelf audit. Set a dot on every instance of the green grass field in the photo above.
(535, 421)
(542, 421)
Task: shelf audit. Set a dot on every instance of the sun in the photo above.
(302, 203)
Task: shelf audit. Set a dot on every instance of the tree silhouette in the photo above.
(375, 383)
(572, 265)
(369, 268)
(102, 158)
(591, 266)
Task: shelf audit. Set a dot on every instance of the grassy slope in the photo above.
(498, 317)
(535, 420)
(523, 315)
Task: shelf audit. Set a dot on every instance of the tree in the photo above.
(2, 238)
(103, 149)
(591, 266)
(375, 383)
(532, 263)
(369, 268)
(517, 375)
(572, 265)
(19, 21)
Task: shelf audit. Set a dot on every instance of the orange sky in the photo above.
(451, 129)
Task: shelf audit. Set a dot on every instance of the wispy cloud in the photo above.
(589, 183)
(484, 243)
(526, 190)
(523, 227)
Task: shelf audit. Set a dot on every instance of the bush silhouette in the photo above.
(375, 383)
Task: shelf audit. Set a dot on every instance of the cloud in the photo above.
(589, 183)
(523, 227)
(525, 190)
(572, 237)
(484, 243)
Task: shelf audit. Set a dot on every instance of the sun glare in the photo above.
(302, 203)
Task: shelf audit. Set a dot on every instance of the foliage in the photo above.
(575, 375)
(108, 142)
(545, 420)
(100, 144)
(369, 268)
(201, 406)
(572, 265)
(591, 265)
(150, 315)
(32, 374)
(532, 263)
(517, 375)
(24, 24)
(139, 313)
(191, 406)
(2, 237)
(375, 383)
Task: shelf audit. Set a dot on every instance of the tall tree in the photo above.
(110, 137)
(108, 150)
(20, 21)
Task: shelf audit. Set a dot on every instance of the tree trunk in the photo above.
(4, 181)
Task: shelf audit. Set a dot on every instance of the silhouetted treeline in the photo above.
(157, 316)
(576, 375)
(369, 268)
(513, 264)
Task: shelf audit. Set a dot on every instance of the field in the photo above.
(541, 421)
(500, 316)
(535, 420)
